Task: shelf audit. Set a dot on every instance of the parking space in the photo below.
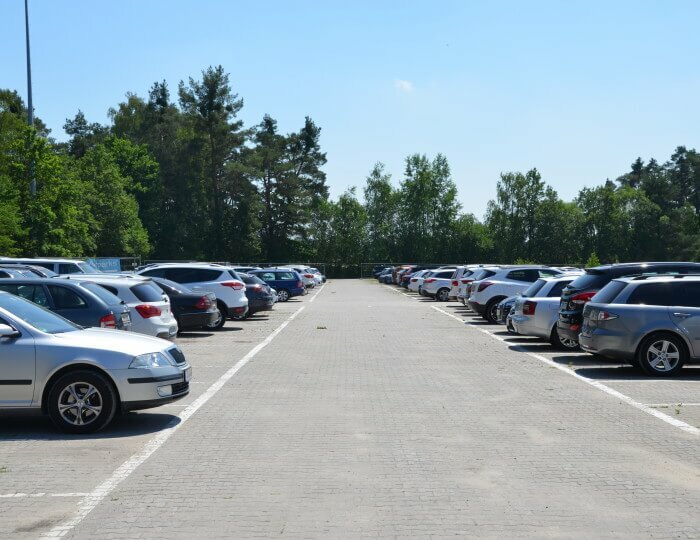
(363, 412)
(677, 397)
(45, 473)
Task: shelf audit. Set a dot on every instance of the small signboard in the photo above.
(106, 265)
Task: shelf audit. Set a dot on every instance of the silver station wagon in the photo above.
(82, 377)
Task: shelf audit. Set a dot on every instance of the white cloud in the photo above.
(403, 86)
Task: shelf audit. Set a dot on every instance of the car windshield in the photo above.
(533, 289)
(36, 316)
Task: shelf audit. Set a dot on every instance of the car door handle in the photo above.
(681, 315)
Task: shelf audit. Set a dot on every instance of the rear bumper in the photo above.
(568, 330)
(260, 304)
(476, 307)
(609, 346)
(237, 311)
(196, 319)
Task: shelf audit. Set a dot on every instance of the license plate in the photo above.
(188, 374)
(126, 319)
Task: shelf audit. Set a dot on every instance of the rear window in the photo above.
(608, 293)
(235, 275)
(483, 274)
(251, 280)
(653, 294)
(147, 292)
(102, 293)
(590, 281)
(557, 288)
(533, 289)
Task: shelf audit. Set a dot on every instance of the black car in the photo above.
(259, 293)
(579, 292)
(80, 301)
(191, 309)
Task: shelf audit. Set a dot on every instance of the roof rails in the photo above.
(641, 277)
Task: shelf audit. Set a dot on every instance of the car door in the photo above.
(17, 369)
(685, 314)
(69, 304)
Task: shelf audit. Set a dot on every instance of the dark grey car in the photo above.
(650, 321)
(80, 301)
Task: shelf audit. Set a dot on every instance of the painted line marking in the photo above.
(317, 293)
(596, 384)
(36, 495)
(95, 497)
(676, 404)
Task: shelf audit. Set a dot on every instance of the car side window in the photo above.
(652, 294)
(285, 276)
(156, 272)
(65, 298)
(547, 273)
(111, 289)
(33, 293)
(68, 268)
(686, 294)
(519, 275)
(267, 276)
(445, 275)
(557, 288)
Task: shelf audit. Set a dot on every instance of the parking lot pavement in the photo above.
(372, 414)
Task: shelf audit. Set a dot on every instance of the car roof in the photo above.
(204, 265)
(45, 281)
(657, 278)
(111, 280)
(631, 265)
(38, 259)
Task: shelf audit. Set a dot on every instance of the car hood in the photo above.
(129, 343)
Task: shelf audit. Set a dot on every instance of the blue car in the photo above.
(285, 281)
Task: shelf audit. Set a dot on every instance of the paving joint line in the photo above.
(683, 426)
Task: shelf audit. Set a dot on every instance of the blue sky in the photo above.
(577, 89)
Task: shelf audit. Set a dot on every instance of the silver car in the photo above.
(652, 322)
(536, 311)
(82, 377)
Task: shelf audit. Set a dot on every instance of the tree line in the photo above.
(181, 177)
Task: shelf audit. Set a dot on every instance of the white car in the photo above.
(465, 285)
(307, 277)
(535, 313)
(416, 280)
(438, 284)
(221, 280)
(504, 282)
(319, 278)
(150, 306)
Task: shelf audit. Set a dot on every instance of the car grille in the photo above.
(179, 388)
(177, 355)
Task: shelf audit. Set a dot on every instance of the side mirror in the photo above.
(8, 332)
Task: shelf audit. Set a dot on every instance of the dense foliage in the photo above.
(183, 178)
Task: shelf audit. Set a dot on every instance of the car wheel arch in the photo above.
(660, 333)
(78, 366)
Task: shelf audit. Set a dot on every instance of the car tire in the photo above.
(661, 355)
(242, 317)
(443, 295)
(74, 387)
(283, 295)
(561, 343)
(491, 311)
(219, 323)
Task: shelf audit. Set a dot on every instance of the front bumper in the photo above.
(145, 388)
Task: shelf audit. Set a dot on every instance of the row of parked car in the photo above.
(81, 345)
(646, 314)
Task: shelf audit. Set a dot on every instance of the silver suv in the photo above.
(650, 321)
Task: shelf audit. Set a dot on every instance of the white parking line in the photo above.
(317, 293)
(596, 384)
(411, 296)
(92, 499)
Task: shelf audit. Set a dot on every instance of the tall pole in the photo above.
(30, 106)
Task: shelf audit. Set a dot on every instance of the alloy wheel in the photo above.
(662, 356)
(80, 404)
(282, 295)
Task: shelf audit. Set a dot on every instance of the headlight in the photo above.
(151, 360)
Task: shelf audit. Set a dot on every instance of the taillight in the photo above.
(413, 280)
(604, 316)
(257, 287)
(235, 285)
(429, 280)
(529, 307)
(582, 298)
(483, 285)
(147, 311)
(467, 281)
(455, 283)
(203, 303)
(108, 321)
(308, 276)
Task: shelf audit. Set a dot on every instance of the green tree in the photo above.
(380, 205)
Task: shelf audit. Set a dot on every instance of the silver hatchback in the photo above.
(650, 321)
(82, 377)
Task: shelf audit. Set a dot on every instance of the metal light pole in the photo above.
(30, 107)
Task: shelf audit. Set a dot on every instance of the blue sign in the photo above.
(106, 265)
